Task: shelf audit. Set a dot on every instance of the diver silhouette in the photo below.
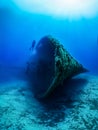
(33, 45)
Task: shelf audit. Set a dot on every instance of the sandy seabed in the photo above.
(72, 107)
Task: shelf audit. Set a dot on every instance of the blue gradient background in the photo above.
(18, 28)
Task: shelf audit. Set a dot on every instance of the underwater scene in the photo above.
(48, 65)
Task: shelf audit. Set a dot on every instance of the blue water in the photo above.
(19, 28)
(71, 106)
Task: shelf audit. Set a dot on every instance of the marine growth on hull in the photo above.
(50, 66)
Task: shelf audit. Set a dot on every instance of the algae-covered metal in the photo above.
(53, 65)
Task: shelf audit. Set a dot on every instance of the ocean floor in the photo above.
(74, 106)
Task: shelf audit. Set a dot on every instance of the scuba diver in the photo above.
(33, 45)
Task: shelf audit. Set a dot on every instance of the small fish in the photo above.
(33, 45)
